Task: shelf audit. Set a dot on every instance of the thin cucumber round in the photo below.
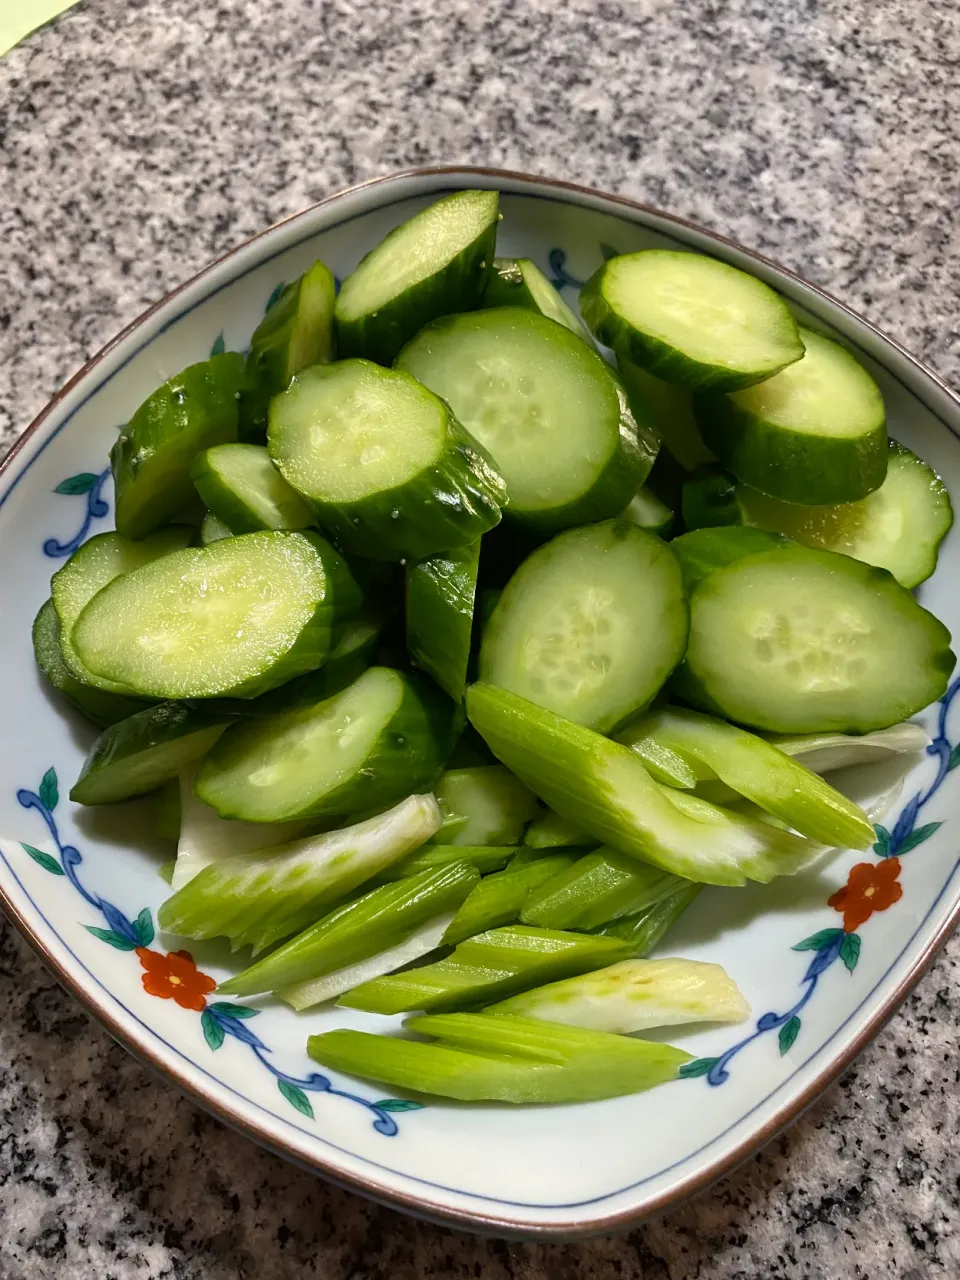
(441, 592)
(669, 409)
(803, 641)
(152, 456)
(99, 706)
(814, 433)
(436, 263)
(92, 567)
(390, 472)
(140, 754)
(385, 736)
(246, 492)
(518, 282)
(590, 626)
(238, 617)
(690, 319)
(545, 405)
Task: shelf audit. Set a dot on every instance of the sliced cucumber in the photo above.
(483, 806)
(239, 616)
(709, 500)
(814, 433)
(430, 857)
(441, 592)
(547, 407)
(212, 529)
(500, 898)
(91, 568)
(802, 641)
(644, 930)
(646, 511)
(598, 887)
(690, 319)
(243, 488)
(602, 787)
(152, 456)
(296, 331)
(701, 551)
(669, 410)
(99, 706)
(383, 737)
(437, 262)
(141, 753)
(553, 832)
(518, 282)
(388, 469)
(590, 626)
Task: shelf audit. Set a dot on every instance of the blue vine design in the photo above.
(89, 485)
(219, 1019)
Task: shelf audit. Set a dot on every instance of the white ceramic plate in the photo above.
(83, 886)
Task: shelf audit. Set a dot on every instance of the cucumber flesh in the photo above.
(483, 806)
(441, 592)
(803, 641)
(590, 626)
(669, 410)
(152, 455)
(259, 898)
(237, 617)
(500, 898)
(545, 405)
(212, 529)
(518, 282)
(646, 511)
(690, 319)
(598, 887)
(246, 492)
(645, 929)
(389, 471)
(814, 433)
(383, 737)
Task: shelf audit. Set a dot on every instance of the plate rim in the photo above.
(233, 1116)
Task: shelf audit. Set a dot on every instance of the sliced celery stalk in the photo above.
(359, 929)
(661, 762)
(259, 898)
(603, 787)
(499, 899)
(489, 967)
(645, 929)
(757, 770)
(550, 831)
(484, 806)
(305, 995)
(635, 995)
(598, 887)
(824, 752)
(519, 1060)
(485, 858)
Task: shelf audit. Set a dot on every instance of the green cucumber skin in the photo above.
(459, 286)
(709, 500)
(792, 465)
(408, 757)
(170, 736)
(668, 410)
(227, 505)
(152, 455)
(701, 551)
(441, 594)
(645, 929)
(99, 706)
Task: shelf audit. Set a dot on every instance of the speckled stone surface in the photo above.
(141, 138)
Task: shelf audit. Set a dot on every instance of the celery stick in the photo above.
(598, 887)
(359, 929)
(603, 787)
(825, 752)
(489, 967)
(553, 832)
(661, 762)
(499, 899)
(485, 858)
(484, 806)
(305, 995)
(518, 1060)
(645, 929)
(262, 897)
(757, 770)
(634, 995)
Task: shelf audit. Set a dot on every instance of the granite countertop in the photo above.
(141, 138)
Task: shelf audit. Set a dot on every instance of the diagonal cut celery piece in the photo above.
(824, 752)
(598, 887)
(499, 899)
(645, 929)
(553, 832)
(429, 857)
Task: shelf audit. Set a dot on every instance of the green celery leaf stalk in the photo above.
(499, 899)
(645, 929)
(598, 887)
(429, 857)
(550, 831)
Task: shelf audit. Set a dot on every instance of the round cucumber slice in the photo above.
(814, 433)
(590, 626)
(389, 471)
(239, 616)
(384, 737)
(246, 492)
(518, 282)
(436, 263)
(804, 641)
(441, 593)
(546, 407)
(670, 411)
(690, 319)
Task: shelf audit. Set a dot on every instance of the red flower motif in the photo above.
(175, 976)
(870, 887)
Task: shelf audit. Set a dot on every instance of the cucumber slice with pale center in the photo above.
(544, 404)
(690, 319)
(383, 737)
(814, 433)
(436, 263)
(441, 592)
(801, 641)
(590, 625)
(388, 469)
(483, 806)
(239, 616)
(518, 282)
(243, 488)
